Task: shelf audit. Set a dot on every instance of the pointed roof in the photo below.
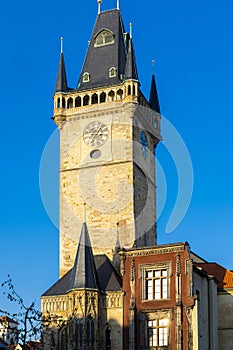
(131, 67)
(61, 83)
(154, 99)
(101, 57)
(84, 271)
(108, 278)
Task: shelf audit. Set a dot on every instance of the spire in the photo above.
(154, 99)
(118, 5)
(84, 274)
(61, 83)
(106, 53)
(99, 6)
(130, 66)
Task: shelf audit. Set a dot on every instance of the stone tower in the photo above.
(108, 135)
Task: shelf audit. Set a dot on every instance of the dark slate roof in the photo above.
(84, 271)
(108, 278)
(154, 99)
(131, 67)
(61, 83)
(100, 59)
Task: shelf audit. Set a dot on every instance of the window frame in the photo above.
(104, 42)
(144, 269)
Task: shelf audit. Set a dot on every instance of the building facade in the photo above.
(118, 289)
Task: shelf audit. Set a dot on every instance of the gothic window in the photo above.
(105, 37)
(70, 103)
(120, 94)
(86, 77)
(108, 340)
(112, 72)
(157, 332)
(129, 90)
(63, 102)
(90, 332)
(78, 334)
(94, 99)
(111, 95)
(58, 102)
(102, 97)
(64, 339)
(78, 101)
(86, 100)
(156, 281)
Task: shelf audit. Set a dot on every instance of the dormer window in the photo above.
(105, 37)
(86, 77)
(112, 72)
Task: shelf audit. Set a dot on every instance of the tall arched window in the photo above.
(108, 340)
(105, 37)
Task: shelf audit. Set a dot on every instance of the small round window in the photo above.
(95, 154)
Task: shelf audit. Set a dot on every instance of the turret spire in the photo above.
(130, 66)
(99, 6)
(84, 272)
(118, 4)
(61, 83)
(154, 99)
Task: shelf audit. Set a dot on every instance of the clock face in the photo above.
(95, 134)
(144, 144)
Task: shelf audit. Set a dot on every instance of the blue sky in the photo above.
(191, 43)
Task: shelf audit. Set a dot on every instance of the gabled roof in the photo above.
(99, 59)
(108, 278)
(61, 83)
(154, 99)
(223, 276)
(84, 272)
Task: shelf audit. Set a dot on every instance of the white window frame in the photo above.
(110, 72)
(158, 282)
(86, 77)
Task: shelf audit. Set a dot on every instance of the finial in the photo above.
(118, 4)
(99, 5)
(84, 212)
(62, 39)
(153, 66)
(131, 30)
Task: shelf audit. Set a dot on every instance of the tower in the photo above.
(108, 135)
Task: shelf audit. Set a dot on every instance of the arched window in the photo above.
(63, 102)
(129, 90)
(58, 102)
(108, 340)
(78, 101)
(94, 99)
(64, 339)
(111, 95)
(90, 328)
(120, 94)
(134, 90)
(86, 77)
(112, 72)
(105, 37)
(102, 97)
(70, 103)
(86, 100)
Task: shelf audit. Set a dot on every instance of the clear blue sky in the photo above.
(191, 42)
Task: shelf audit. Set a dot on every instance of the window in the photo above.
(155, 281)
(156, 284)
(86, 77)
(157, 333)
(112, 72)
(105, 37)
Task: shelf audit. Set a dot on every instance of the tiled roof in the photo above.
(223, 276)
